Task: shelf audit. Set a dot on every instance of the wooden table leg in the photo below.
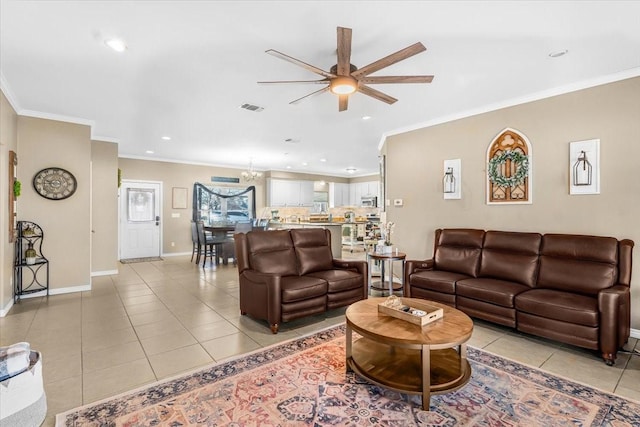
(348, 348)
(426, 377)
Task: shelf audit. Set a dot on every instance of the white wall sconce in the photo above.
(584, 167)
(451, 181)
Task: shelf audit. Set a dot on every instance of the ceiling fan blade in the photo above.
(295, 81)
(300, 63)
(405, 53)
(343, 102)
(376, 94)
(317, 92)
(344, 51)
(395, 79)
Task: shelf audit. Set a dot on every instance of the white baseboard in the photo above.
(104, 273)
(170, 254)
(58, 291)
(5, 310)
(635, 333)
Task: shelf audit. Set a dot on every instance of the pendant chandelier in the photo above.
(251, 174)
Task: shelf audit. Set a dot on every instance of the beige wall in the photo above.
(65, 223)
(8, 142)
(178, 230)
(104, 207)
(609, 112)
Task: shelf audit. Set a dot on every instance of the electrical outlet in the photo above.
(173, 244)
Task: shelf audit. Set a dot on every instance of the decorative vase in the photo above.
(30, 255)
(387, 249)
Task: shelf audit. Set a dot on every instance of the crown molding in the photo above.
(105, 139)
(56, 117)
(4, 86)
(560, 90)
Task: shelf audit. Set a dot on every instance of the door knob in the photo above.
(157, 219)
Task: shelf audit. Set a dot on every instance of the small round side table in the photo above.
(390, 258)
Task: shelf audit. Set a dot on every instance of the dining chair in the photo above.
(206, 243)
(195, 242)
(230, 246)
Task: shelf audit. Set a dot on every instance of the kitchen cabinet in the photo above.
(339, 194)
(289, 193)
(358, 190)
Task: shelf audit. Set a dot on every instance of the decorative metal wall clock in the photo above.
(55, 183)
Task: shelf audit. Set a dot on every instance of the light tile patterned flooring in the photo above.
(158, 319)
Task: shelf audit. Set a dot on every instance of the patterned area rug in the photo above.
(134, 260)
(303, 382)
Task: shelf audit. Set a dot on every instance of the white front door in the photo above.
(140, 224)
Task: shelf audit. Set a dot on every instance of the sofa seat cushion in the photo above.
(499, 292)
(298, 288)
(340, 280)
(436, 280)
(559, 305)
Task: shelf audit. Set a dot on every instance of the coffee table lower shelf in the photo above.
(402, 369)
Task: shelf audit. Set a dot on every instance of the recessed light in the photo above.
(558, 54)
(366, 117)
(166, 138)
(288, 167)
(323, 160)
(292, 140)
(116, 44)
(149, 152)
(304, 163)
(351, 170)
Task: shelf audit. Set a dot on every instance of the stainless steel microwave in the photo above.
(369, 202)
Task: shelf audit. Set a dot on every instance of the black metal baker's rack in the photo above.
(29, 275)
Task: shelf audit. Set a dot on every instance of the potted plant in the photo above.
(386, 231)
(30, 255)
(17, 188)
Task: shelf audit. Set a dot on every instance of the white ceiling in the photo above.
(190, 64)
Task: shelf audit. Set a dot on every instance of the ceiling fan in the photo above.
(344, 78)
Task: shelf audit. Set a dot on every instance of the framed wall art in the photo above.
(509, 177)
(584, 167)
(179, 198)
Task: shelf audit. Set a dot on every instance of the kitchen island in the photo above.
(335, 228)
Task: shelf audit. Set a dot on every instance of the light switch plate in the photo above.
(175, 215)
(398, 202)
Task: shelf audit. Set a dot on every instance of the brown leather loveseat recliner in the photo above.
(288, 274)
(570, 288)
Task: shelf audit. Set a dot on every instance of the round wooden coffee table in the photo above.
(409, 358)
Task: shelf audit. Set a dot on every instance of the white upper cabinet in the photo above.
(359, 190)
(338, 194)
(285, 192)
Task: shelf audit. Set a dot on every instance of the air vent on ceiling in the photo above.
(251, 107)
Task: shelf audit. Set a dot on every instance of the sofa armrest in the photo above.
(271, 287)
(349, 264)
(412, 266)
(614, 308)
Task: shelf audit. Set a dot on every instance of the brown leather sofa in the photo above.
(570, 288)
(288, 274)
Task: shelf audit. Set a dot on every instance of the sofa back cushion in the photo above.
(458, 250)
(510, 256)
(313, 249)
(272, 252)
(581, 264)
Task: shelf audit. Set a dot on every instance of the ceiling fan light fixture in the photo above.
(343, 85)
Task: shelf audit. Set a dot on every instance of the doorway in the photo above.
(140, 226)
